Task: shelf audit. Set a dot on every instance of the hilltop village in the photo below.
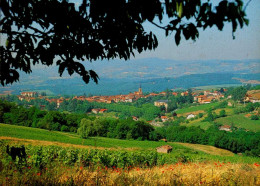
(198, 97)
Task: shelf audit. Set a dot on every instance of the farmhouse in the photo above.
(185, 93)
(164, 118)
(230, 104)
(164, 149)
(135, 118)
(225, 128)
(102, 110)
(205, 101)
(96, 111)
(161, 103)
(190, 116)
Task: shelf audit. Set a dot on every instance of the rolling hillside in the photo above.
(39, 137)
(237, 120)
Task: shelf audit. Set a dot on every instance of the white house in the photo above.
(190, 116)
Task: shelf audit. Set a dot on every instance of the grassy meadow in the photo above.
(198, 123)
(237, 120)
(202, 108)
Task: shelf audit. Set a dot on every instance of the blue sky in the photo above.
(212, 43)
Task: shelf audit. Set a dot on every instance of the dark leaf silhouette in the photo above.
(58, 32)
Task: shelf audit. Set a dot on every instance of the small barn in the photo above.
(225, 128)
(165, 140)
(102, 110)
(164, 118)
(164, 149)
(190, 116)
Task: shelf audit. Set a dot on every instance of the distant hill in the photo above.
(121, 77)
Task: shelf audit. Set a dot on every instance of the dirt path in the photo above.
(48, 143)
(207, 149)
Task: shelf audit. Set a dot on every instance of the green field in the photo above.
(197, 108)
(54, 136)
(191, 151)
(198, 123)
(240, 121)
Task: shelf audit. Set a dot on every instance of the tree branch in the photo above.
(20, 33)
(36, 30)
(158, 25)
(247, 4)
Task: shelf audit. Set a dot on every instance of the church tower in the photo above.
(140, 90)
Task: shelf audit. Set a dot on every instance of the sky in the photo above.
(212, 43)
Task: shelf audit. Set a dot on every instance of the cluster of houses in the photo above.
(208, 96)
(127, 98)
(113, 99)
(29, 96)
(253, 96)
(57, 101)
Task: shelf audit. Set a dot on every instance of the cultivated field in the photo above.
(56, 158)
(240, 121)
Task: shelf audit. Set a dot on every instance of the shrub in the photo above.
(222, 113)
(64, 128)
(254, 117)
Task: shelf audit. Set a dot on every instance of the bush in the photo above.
(221, 105)
(56, 126)
(222, 113)
(240, 110)
(254, 117)
(210, 117)
(64, 128)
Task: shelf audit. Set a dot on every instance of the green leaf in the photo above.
(7, 43)
(179, 9)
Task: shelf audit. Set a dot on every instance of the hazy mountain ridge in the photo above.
(154, 67)
(120, 77)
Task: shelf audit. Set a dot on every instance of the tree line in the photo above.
(83, 124)
(237, 141)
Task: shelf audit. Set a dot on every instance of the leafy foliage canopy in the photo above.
(60, 32)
